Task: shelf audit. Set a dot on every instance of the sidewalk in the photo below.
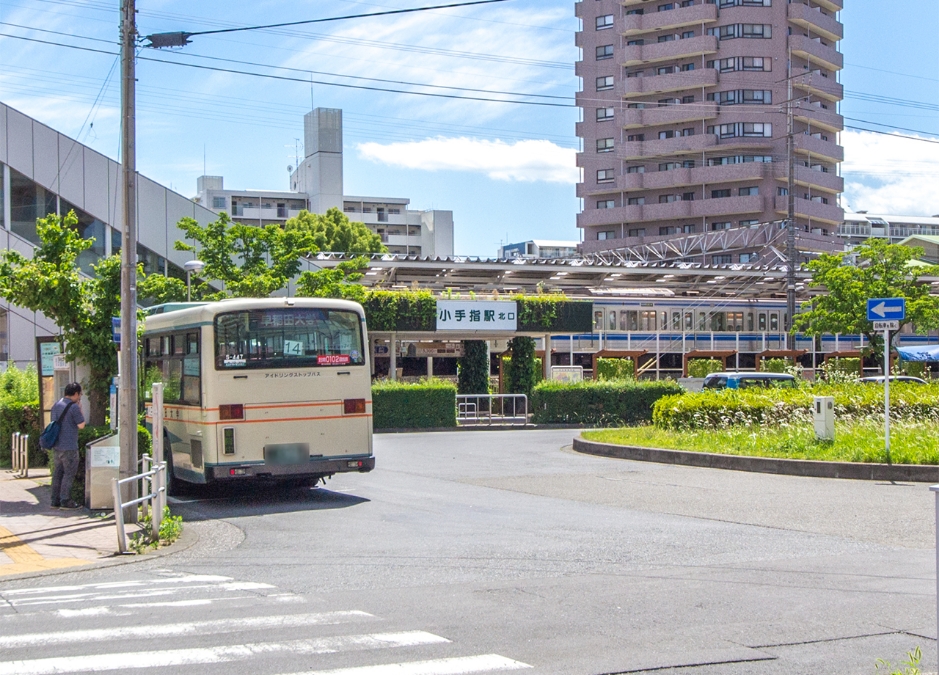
(35, 537)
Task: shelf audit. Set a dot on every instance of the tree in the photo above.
(251, 261)
(883, 270)
(161, 289)
(337, 282)
(473, 368)
(82, 308)
(335, 233)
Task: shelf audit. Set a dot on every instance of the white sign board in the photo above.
(569, 374)
(470, 315)
(886, 325)
(59, 362)
(442, 349)
(105, 456)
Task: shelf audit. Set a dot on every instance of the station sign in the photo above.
(472, 315)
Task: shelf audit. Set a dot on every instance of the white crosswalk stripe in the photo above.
(188, 622)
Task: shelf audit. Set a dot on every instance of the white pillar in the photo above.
(737, 355)
(393, 352)
(430, 366)
(658, 356)
(546, 361)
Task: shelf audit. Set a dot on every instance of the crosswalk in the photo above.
(192, 623)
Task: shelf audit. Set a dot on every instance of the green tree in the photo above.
(251, 261)
(335, 233)
(883, 270)
(522, 374)
(82, 308)
(161, 289)
(337, 282)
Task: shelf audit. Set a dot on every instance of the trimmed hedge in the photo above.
(704, 367)
(615, 369)
(778, 407)
(775, 365)
(23, 418)
(598, 403)
(424, 405)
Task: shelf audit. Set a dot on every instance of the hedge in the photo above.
(775, 365)
(615, 369)
(704, 367)
(23, 418)
(778, 407)
(424, 405)
(598, 403)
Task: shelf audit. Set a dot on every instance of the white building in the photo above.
(860, 226)
(540, 248)
(317, 185)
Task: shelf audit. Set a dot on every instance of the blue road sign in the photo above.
(116, 329)
(886, 309)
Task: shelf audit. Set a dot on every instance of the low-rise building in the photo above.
(540, 248)
(861, 226)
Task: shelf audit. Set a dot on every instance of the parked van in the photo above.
(749, 380)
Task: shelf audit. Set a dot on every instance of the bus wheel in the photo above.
(305, 482)
(174, 486)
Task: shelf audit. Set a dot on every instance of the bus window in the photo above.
(172, 380)
(288, 338)
(762, 321)
(774, 321)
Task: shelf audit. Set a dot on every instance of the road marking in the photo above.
(189, 579)
(25, 559)
(221, 654)
(455, 666)
(191, 627)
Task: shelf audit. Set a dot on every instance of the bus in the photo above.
(273, 388)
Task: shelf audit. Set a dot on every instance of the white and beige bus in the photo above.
(262, 388)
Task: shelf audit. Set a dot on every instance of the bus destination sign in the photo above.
(470, 315)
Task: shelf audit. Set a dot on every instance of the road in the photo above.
(497, 551)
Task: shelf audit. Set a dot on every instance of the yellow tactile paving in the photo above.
(25, 559)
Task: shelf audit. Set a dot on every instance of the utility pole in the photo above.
(791, 214)
(128, 353)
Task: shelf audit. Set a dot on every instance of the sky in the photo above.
(506, 170)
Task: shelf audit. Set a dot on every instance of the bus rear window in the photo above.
(288, 338)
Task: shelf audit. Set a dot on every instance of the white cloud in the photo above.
(889, 174)
(526, 161)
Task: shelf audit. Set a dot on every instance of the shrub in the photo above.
(609, 403)
(704, 367)
(775, 365)
(521, 372)
(473, 368)
(842, 370)
(915, 368)
(615, 369)
(424, 405)
(19, 412)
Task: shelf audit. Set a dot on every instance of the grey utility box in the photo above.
(102, 463)
(824, 413)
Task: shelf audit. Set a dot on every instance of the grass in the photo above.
(862, 441)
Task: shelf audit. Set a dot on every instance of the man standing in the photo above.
(65, 451)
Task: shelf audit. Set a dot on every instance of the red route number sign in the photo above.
(333, 359)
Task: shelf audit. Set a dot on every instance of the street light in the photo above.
(190, 267)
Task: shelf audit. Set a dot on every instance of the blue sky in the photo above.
(505, 170)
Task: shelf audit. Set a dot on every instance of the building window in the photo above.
(604, 22)
(748, 223)
(744, 63)
(218, 202)
(742, 30)
(744, 96)
(688, 132)
(604, 114)
(723, 259)
(719, 226)
(663, 135)
(632, 138)
(684, 36)
(667, 199)
(28, 201)
(738, 159)
(604, 52)
(606, 204)
(636, 169)
(663, 231)
(742, 130)
(605, 83)
(605, 176)
(635, 43)
(688, 229)
(688, 99)
(748, 191)
(637, 232)
(636, 201)
(687, 196)
(604, 145)
(746, 3)
(666, 7)
(720, 194)
(666, 38)
(746, 258)
(606, 234)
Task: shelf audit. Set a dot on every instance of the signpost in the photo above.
(886, 314)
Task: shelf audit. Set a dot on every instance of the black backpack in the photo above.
(50, 435)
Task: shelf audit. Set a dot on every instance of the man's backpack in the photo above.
(50, 435)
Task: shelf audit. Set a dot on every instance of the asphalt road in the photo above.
(497, 551)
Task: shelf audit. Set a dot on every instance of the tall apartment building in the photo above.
(684, 108)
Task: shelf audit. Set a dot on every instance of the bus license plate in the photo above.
(287, 453)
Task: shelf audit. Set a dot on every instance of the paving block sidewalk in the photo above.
(35, 537)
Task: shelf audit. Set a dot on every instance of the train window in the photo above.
(633, 320)
(762, 321)
(648, 321)
(774, 321)
(623, 325)
(702, 321)
(676, 320)
(664, 322)
(735, 321)
(689, 321)
(598, 320)
(749, 320)
(611, 322)
(717, 321)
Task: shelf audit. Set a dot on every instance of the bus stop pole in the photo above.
(887, 393)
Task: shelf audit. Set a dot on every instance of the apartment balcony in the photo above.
(818, 118)
(623, 214)
(705, 175)
(661, 84)
(815, 22)
(630, 182)
(728, 206)
(579, 9)
(818, 148)
(670, 114)
(815, 52)
(816, 180)
(816, 84)
(636, 24)
(682, 145)
(831, 5)
(805, 208)
(669, 51)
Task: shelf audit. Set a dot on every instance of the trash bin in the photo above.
(824, 414)
(102, 463)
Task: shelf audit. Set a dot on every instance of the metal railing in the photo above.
(492, 409)
(20, 446)
(154, 482)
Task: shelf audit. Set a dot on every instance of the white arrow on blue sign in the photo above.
(879, 309)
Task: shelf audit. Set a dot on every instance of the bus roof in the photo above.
(187, 314)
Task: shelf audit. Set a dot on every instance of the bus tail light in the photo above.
(228, 440)
(237, 472)
(354, 406)
(234, 411)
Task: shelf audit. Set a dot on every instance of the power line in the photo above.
(887, 133)
(892, 126)
(893, 72)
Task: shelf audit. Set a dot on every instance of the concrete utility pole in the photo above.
(791, 215)
(128, 353)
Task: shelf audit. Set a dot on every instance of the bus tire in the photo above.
(174, 486)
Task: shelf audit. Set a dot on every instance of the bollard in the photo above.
(119, 516)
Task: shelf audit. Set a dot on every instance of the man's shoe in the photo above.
(55, 505)
(69, 505)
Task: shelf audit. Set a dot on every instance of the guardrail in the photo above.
(492, 409)
(20, 451)
(155, 481)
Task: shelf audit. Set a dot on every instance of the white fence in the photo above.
(492, 409)
(153, 487)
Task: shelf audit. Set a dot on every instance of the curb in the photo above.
(482, 427)
(915, 473)
(186, 540)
